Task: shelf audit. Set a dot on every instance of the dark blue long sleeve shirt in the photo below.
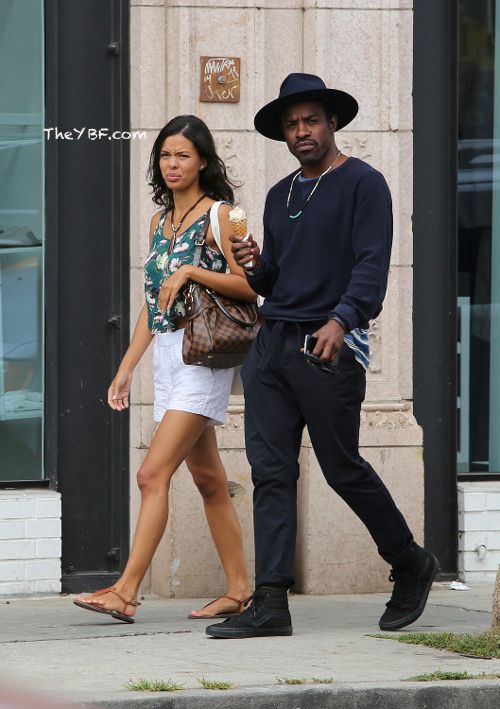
(334, 258)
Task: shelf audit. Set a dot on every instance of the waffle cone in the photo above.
(240, 228)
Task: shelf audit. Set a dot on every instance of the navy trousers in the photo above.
(283, 393)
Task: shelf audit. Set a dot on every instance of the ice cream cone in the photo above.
(238, 219)
(240, 228)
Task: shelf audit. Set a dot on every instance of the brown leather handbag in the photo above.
(219, 330)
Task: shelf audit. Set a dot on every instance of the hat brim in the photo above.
(267, 121)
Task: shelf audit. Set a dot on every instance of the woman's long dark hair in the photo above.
(214, 181)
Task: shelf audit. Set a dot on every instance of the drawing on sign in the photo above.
(220, 79)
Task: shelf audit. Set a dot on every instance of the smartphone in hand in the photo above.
(327, 367)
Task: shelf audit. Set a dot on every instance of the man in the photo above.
(323, 272)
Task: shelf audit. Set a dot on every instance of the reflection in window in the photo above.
(21, 238)
(478, 238)
(21, 375)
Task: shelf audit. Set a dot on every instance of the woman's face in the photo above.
(180, 162)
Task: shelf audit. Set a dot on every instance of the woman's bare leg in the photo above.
(210, 478)
(176, 435)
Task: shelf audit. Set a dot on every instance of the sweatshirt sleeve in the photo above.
(371, 245)
(262, 280)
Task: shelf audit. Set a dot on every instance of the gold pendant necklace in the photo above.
(174, 228)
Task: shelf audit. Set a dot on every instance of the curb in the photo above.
(456, 695)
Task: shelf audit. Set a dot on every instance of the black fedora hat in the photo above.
(303, 87)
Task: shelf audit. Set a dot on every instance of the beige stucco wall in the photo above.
(365, 48)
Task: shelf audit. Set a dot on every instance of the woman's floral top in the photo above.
(160, 265)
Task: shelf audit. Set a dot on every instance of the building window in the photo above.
(21, 239)
(479, 238)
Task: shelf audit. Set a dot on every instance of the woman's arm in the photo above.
(233, 284)
(119, 390)
(139, 343)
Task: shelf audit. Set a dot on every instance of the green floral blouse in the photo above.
(160, 264)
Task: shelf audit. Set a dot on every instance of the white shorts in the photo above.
(187, 387)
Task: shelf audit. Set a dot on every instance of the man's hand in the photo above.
(171, 287)
(330, 339)
(245, 251)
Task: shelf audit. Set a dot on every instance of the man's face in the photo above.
(308, 132)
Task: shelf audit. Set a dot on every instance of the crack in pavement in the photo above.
(446, 605)
(98, 637)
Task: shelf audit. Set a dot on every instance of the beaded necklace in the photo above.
(296, 216)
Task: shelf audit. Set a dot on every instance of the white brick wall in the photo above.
(30, 542)
(478, 530)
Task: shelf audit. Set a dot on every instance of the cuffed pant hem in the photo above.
(275, 579)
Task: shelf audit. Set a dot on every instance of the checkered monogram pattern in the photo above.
(211, 337)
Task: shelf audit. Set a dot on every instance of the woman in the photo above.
(187, 177)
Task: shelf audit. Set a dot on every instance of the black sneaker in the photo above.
(412, 582)
(266, 615)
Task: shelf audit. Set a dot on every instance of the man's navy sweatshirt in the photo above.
(334, 258)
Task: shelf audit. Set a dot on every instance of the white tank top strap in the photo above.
(214, 223)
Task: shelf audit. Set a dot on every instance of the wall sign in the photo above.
(220, 79)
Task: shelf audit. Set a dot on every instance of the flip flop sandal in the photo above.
(222, 614)
(89, 606)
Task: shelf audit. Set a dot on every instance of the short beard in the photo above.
(310, 159)
(304, 160)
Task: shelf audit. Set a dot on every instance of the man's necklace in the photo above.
(296, 216)
(174, 228)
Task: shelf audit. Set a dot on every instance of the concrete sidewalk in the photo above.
(51, 645)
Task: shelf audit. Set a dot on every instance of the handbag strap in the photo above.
(200, 240)
(211, 219)
(236, 320)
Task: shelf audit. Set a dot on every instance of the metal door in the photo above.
(87, 275)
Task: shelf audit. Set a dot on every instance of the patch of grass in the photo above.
(441, 675)
(214, 683)
(322, 680)
(303, 680)
(291, 680)
(485, 644)
(154, 685)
